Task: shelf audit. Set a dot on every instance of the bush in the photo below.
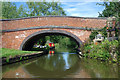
(93, 34)
(102, 50)
(102, 31)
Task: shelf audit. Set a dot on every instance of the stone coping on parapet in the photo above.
(54, 16)
(44, 27)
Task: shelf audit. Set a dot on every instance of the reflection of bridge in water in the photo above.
(23, 33)
(47, 66)
(60, 65)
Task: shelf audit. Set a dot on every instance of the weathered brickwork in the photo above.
(55, 21)
(13, 40)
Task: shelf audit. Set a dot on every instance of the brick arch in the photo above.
(28, 41)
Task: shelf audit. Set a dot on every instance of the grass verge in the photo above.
(12, 52)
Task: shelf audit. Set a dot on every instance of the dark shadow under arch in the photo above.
(28, 42)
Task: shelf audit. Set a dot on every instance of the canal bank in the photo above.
(11, 56)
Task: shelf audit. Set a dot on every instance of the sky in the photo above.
(79, 9)
(82, 9)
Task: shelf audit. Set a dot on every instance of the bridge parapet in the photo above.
(53, 21)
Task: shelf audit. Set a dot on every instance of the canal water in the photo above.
(60, 64)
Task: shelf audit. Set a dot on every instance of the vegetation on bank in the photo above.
(59, 41)
(8, 53)
(66, 42)
(107, 50)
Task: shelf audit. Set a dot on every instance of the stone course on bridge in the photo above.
(23, 32)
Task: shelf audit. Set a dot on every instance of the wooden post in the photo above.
(109, 24)
(113, 26)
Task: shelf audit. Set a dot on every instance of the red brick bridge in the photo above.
(21, 33)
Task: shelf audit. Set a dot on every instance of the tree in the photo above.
(22, 11)
(112, 9)
(9, 10)
(43, 9)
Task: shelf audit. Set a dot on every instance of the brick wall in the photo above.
(13, 40)
(56, 21)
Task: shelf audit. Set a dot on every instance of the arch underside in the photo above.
(28, 42)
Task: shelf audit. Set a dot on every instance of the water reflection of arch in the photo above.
(28, 42)
(40, 71)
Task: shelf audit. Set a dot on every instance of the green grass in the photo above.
(12, 52)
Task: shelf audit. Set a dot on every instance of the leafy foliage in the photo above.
(102, 50)
(9, 9)
(111, 9)
(68, 43)
(59, 41)
(93, 34)
(44, 8)
(104, 32)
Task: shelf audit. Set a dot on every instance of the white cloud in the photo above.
(77, 4)
(88, 9)
(71, 9)
(82, 3)
(84, 14)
